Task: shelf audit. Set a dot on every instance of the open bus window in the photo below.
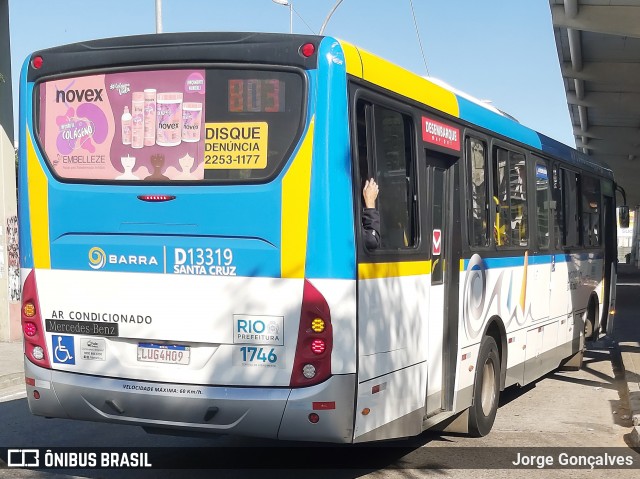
(394, 161)
(590, 211)
(363, 116)
(193, 124)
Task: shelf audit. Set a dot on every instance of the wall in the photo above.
(9, 264)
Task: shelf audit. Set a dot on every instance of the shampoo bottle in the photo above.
(149, 117)
(126, 126)
(137, 122)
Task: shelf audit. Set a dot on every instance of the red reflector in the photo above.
(318, 346)
(378, 387)
(324, 405)
(313, 418)
(30, 381)
(36, 395)
(307, 49)
(37, 62)
(156, 198)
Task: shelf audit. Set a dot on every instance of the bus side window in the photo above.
(395, 171)
(570, 215)
(510, 198)
(501, 227)
(590, 211)
(368, 220)
(544, 205)
(518, 199)
(363, 115)
(558, 218)
(478, 219)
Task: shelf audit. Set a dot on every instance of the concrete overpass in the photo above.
(598, 43)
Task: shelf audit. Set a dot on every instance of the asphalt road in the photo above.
(561, 411)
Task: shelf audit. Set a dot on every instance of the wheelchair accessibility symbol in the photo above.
(63, 349)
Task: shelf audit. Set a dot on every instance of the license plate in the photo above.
(164, 353)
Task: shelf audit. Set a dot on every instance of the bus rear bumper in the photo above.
(277, 413)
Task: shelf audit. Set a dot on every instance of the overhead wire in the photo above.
(415, 22)
(303, 20)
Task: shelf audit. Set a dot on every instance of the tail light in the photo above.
(156, 198)
(307, 49)
(32, 326)
(37, 62)
(312, 362)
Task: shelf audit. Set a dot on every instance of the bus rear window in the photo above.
(197, 125)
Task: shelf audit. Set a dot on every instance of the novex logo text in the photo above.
(70, 96)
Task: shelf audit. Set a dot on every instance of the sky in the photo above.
(498, 50)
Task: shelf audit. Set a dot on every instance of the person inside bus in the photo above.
(370, 215)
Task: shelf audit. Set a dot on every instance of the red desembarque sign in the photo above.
(440, 134)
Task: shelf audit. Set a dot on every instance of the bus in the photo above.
(192, 251)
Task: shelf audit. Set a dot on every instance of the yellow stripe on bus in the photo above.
(392, 270)
(38, 208)
(401, 81)
(523, 286)
(296, 188)
(352, 59)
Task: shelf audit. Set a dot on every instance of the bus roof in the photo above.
(441, 96)
(192, 47)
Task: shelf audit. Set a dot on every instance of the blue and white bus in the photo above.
(192, 256)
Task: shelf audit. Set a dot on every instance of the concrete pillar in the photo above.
(9, 264)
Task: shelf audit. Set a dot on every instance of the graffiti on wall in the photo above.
(13, 261)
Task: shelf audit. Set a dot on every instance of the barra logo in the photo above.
(97, 258)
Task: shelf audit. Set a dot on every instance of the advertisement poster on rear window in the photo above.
(130, 126)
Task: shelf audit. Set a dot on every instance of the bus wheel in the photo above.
(486, 389)
(588, 328)
(590, 332)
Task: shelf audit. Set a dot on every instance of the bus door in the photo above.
(610, 255)
(562, 268)
(444, 251)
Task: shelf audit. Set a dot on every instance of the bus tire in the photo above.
(486, 389)
(590, 332)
